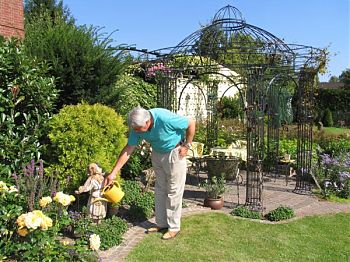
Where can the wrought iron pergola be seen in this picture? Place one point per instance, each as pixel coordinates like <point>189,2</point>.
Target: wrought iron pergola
<point>266,72</point>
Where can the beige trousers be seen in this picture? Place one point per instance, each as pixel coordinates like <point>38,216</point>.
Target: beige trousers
<point>170,171</point>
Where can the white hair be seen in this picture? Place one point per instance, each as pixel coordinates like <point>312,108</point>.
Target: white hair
<point>138,117</point>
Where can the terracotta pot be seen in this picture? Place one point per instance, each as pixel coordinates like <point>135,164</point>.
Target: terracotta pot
<point>214,203</point>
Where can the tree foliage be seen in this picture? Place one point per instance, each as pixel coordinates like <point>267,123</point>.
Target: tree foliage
<point>27,98</point>
<point>82,58</point>
<point>128,92</point>
<point>55,9</point>
<point>345,77</point>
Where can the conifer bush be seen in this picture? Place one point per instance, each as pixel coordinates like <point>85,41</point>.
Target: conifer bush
<point>328,118</point>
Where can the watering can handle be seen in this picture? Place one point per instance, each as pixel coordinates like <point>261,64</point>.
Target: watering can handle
<point>107,187</point>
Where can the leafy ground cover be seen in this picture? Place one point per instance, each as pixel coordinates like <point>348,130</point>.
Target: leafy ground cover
<point>220,237</point>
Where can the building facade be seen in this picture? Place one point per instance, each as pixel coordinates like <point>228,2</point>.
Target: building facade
<point>11,18</point>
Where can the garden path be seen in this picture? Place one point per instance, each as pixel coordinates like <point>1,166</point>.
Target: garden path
<point>276,193</point>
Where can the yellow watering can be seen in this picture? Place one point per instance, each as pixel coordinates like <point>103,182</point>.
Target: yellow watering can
<point>112,193</point>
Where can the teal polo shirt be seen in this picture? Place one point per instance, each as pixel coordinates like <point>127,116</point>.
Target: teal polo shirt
<point>167,131</point>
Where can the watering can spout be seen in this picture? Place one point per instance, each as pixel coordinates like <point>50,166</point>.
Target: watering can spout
<point>100,199</point>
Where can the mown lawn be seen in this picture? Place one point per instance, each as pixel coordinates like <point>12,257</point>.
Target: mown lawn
<point>220,237</point>
<point>336,130</point>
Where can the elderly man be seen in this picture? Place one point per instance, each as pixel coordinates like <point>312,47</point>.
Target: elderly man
<point>170,136</point>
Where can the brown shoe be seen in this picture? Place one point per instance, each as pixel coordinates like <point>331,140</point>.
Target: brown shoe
<point>170,235</point>
<point>156,229</point>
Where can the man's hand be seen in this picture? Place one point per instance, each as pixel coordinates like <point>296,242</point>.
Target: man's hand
<point>108,180</point>
<point>183,151</point>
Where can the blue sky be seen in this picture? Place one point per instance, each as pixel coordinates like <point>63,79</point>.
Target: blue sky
<point>154,24</point>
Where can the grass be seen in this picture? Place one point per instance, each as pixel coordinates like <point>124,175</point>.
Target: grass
<point>331,198</point>
<point>336,130</point>
<point>221,237</point>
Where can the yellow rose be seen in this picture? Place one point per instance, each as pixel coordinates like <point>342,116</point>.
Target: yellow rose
<point>63,199</point>
<point>95,242</point>
<point>72,198</point>
<point>46,223</point>
<point>58,196</point>
<point>20,221</point>
<point>32,220</point>
<point>43,202</point>
<point>13,189</point>
<point>38,213</point>
<point>22,232</point>
<point>3,186</point>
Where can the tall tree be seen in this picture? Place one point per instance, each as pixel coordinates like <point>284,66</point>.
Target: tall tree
<point>82,59</point>
<point>35,8</point>
<point>345,77</point>
<point>333,79</point>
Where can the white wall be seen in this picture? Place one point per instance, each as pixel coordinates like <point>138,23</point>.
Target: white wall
<point>192,99</point>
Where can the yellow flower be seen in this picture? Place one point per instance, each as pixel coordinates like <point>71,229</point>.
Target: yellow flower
<point>95,242</point>
<point>72,198</point>
<point>3,186</point>
<point>13,189</point>
<point>20,221</point>
<point>46,223</point>
<point>43,202</point>
<point>63,199</point>
<point>32,220</point>
<point>22,232</point>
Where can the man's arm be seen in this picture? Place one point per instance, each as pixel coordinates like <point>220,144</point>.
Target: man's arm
<point>190,131</point>
<point>122,159</point>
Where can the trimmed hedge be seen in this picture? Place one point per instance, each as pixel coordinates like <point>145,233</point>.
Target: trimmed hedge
<point>82,134</point>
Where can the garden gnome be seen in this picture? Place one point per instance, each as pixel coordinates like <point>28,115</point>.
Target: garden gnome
<point>96,209</point>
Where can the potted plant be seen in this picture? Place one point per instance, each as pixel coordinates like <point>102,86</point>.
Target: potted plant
<point>214,187</point>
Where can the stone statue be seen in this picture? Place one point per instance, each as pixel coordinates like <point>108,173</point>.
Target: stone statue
<point>97,209</point>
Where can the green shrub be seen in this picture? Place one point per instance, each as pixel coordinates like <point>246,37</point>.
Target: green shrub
<point>230,107</point>
<point>110,231</point>
<point>141,204</point>
<point>328,118</point>
<point>243,211</point>
<point>132,192</point>
<point>27,99</point>
<point>280,213</point>
<point>83,134</point>
<point>336,146</point>
<point>139,160</point>
<point>288,146</point>
<point>11,207</point>
<point>143,207</point>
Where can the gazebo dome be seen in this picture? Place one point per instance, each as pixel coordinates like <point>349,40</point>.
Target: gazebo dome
<point>229,35</point>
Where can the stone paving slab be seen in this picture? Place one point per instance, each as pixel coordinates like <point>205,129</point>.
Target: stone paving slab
<point>275,194</point>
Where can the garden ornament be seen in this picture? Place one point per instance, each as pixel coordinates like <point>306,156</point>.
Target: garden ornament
<point>94,185</point>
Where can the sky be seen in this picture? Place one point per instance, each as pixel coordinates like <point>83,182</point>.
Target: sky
<point>156,24</point>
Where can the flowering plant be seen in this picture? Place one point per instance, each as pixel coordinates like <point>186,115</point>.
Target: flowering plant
<point>215,186</point>
<point>157,69</point>
<point>64,199</point>
<point>95,242</point>
<point>31,221</point>
<point>32,183</point>
<point>335,174</point>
